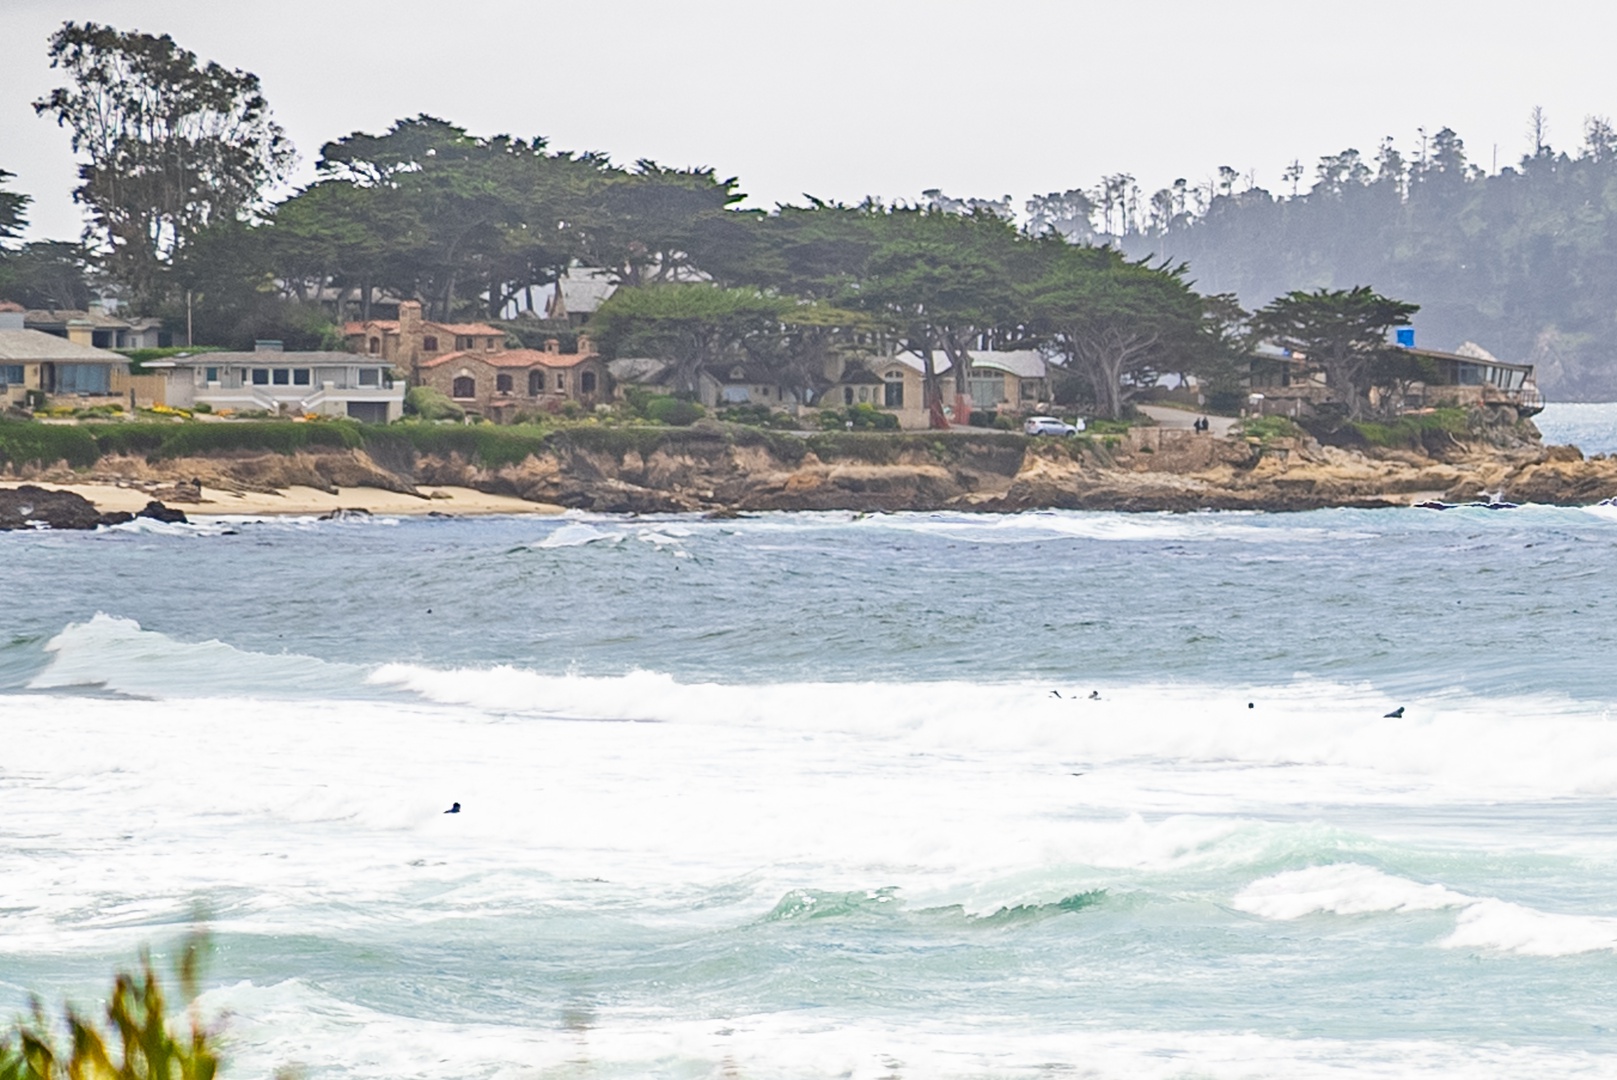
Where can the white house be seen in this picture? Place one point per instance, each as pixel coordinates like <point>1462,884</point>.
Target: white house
<point>270,380</point>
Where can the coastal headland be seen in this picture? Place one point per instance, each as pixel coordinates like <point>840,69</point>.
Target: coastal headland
<point>719,469</point>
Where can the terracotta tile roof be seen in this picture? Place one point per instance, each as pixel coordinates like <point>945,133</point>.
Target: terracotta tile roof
<point>467,329</point>
<point>384,325</point>
<point>510,358</point>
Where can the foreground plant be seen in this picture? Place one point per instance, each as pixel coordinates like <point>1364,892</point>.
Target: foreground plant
<point>134,1042</point>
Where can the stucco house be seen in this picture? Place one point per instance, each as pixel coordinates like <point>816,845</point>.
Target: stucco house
<point>97,328</point>
<point>271,380</point>
<point>35,365</point>
<point>498,384</point>
<point>1016,381</point>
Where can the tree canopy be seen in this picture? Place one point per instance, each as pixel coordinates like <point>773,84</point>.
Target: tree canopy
<point>1344,331</point>
<point>170,146</point>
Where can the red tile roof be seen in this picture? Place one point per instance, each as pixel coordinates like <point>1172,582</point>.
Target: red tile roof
<point>512,358</point>
<point>467,329</point>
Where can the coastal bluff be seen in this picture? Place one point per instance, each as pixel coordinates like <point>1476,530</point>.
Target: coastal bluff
<point>720,468</point>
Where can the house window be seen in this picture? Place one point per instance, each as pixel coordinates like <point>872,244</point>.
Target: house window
<point>429,344</point>
<point>893,394</point>
<point>370,376</point>
<point>847,395</point>
<point>464,387</point>
<point>375,346</point>
<point>864,395</point>
<point>536,383</point>
<point>10,374</point>
<point>1030,390</point>
<point>561,381</point>
<point>463,342</point>
<point>300,376</point>
<point>488,344</point>
<point>985,390</point>
<point>261,376</point>
<point>280,376</point>
<point>586,382</point>
<point>503,383</point>
<point>83,379</point>
<point>210,374</point>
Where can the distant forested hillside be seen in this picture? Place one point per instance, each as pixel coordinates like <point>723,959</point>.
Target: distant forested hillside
<point>1522,261</point>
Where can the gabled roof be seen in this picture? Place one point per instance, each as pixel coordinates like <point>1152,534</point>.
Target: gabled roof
<point>1024,363</point>
<point>580,291</point>
<point>36,345</point>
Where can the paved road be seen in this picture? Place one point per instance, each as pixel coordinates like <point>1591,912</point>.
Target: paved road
<point>1179,418</point>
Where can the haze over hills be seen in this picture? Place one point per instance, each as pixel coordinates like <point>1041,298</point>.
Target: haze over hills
<point>1522,260</point>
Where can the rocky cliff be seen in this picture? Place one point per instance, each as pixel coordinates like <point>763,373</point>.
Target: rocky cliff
<point>716,468</point>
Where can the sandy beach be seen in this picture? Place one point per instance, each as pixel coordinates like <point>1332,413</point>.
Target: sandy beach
<point>111,498</point>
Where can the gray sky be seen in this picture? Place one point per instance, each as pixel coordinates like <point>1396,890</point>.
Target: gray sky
<point>842,98</point>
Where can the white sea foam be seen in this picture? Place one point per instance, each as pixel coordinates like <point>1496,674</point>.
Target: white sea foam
<point>1480,923</point>
<point>1500,926</point>
<point>118,655</point>
<point>1495,747</point>
<point>577,534</point>
<point>292,1023</point>
<point>1341,889</point>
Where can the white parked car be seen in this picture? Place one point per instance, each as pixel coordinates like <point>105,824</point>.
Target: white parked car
<point>1050,425</point>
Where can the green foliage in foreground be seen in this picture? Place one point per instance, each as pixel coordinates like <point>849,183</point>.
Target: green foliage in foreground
<point>134,1041</point>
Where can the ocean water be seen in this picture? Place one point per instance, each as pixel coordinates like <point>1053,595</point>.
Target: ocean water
<point>825,795</point>
<point>1591,426</point>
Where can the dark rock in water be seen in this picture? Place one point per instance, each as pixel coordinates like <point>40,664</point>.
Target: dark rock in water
<point>156,511</point>
<point>355,514</point>
<point>29,507</point>
<point>1432,504</point>
<point>438,514</point>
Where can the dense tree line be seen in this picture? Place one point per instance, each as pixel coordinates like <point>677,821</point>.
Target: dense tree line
<point>1522,260</point>
<point>177,156</point>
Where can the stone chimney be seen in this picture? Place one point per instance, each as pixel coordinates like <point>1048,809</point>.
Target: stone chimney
<point>552,345</point>
<point>408,356</point>
<point>81,331</point>
<point>585,345</point>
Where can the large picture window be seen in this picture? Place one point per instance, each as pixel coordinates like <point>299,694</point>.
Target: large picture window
<point>83,379</point>
<point>464,387</point>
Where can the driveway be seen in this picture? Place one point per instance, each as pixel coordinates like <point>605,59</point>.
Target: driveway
<point>1179,419</point>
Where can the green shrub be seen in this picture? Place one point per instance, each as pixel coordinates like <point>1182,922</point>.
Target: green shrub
<point>24,442</point>
<point>861,417</point>
<point>1413,430</point>
<point>673,411</point>
<point>431,404</point>
<point>1269,427</point>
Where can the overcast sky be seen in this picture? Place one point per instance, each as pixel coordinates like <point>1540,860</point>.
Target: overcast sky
<point>843,98</point>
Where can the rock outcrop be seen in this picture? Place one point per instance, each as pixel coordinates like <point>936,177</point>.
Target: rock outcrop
<point>713,468</point>
<point>32,507</point>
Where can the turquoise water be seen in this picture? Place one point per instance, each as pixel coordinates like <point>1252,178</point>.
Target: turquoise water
<point>816,795</point>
